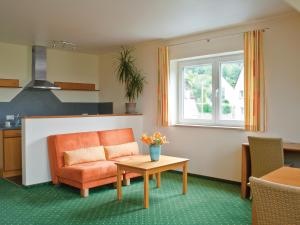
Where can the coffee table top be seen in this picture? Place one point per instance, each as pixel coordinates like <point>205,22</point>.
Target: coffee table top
<point>144,162</point>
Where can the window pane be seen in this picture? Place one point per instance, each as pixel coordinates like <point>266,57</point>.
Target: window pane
<point>232,91</point>
<point>197,101</point>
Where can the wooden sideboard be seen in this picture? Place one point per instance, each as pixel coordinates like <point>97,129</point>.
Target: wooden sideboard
<point>10,153</point>
<point>246,164</point>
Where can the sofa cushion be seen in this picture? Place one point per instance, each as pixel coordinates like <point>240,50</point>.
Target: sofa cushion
<point>116,137</point>
<point>90,171</point>
<point>84,155</point>
<point>127,149</point>
<point>68,142</point>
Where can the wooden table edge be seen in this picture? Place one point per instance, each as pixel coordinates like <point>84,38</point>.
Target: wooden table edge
<point>271,177</point>
<point>143,170</point>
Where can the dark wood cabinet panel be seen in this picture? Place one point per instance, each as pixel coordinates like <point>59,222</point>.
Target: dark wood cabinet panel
<point>12,154</point>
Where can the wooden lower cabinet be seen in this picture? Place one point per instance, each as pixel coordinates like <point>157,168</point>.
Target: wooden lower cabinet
<point>10,155</point>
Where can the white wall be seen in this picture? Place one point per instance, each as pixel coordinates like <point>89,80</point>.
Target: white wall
<point>217,152</point>
<point>111,89</point>
<point>67,66</point>
<point>294,3</point>
<point>15,63</point>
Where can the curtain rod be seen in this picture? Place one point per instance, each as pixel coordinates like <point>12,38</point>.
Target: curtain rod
<point>213,38</point>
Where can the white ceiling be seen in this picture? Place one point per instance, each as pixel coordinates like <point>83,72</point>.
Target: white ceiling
<point>95,25</point>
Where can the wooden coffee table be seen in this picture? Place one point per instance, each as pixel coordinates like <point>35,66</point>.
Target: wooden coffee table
<point>143,165</point>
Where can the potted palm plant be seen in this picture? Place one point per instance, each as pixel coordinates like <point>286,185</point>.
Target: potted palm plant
<point>131,77</point>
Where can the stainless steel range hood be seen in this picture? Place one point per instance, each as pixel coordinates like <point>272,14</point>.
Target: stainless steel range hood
<point>39,70</point>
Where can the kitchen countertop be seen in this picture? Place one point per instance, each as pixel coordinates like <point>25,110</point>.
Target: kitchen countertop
<point>79,116</point>
<point>10,128</point>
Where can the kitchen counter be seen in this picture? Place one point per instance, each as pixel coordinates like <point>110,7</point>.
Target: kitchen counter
<point>10,128</point>
<point>79,116</point>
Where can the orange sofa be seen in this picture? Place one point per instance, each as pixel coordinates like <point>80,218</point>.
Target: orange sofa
<point>89,174</point>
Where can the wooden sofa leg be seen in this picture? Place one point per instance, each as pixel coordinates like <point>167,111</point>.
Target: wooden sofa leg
<point>84,192</point>
<point>126,182</point>
<point>55,180</point>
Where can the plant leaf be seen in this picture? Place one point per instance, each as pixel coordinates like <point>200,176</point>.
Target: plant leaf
<point>129,75</point>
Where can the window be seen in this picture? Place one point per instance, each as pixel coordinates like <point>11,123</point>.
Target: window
<point>211,90</point>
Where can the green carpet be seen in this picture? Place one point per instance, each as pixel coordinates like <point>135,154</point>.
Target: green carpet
<point>207,202</point>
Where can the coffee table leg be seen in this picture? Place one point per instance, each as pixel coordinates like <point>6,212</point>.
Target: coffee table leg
<point>184,178</point>
<point>146,190</point>
<point>158,180</point>
<point>119,183</point>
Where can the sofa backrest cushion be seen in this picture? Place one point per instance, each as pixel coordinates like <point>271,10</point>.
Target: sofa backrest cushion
<point>58,144</point>
<point>84,155</point>
<point>127,149</point>
<point>116,137</point>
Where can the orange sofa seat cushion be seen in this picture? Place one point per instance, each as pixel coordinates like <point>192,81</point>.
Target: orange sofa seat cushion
<point>126,149</point>
<point>90,171</point>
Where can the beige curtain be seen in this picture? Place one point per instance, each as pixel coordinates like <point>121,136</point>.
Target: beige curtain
<point>255,104</point>
<point>163,87</point>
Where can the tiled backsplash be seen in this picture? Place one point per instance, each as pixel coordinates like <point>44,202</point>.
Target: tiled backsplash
<point>32,102</point>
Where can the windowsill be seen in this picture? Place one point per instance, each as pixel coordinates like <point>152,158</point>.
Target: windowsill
<point>209,126</point>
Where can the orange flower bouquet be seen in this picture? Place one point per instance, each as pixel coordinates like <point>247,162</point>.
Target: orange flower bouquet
<point>155,141</point>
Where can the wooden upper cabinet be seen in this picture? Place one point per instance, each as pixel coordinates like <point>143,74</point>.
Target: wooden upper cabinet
<point>9,83</point>
<point>76,86</point>
<point>11,133</point>
<point>12,153</point>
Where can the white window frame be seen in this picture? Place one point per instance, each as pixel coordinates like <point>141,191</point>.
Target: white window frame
<point>216,61</point>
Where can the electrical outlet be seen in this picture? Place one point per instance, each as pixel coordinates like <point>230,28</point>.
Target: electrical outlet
<point>10,117</point>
